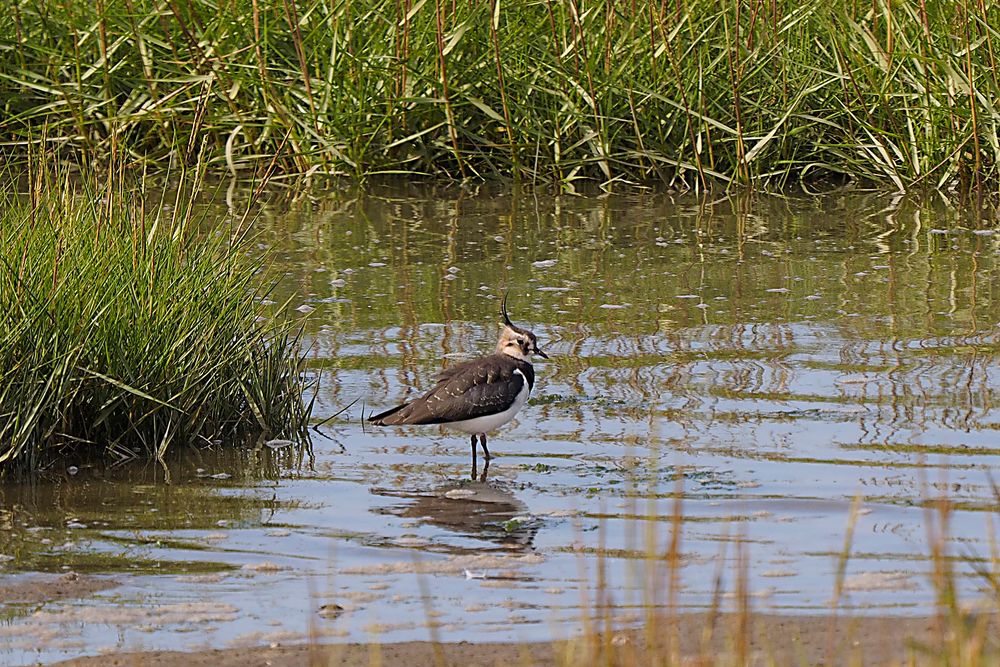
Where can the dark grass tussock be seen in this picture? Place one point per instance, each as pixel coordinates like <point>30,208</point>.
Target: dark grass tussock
<point>124,333</point>
<point>687,92</point>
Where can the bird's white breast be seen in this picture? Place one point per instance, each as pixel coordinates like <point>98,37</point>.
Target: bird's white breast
<point>487,423</point>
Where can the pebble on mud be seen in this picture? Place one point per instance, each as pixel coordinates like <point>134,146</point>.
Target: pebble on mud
<point>330,610</point>
<point>278,443</point>
<point>880,581</point>
<point>265,566</point>
<point>281,532</point>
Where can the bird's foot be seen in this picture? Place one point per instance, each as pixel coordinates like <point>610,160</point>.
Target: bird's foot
<point>475,476</point>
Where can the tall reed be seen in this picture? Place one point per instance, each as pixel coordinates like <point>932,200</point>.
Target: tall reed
<point>125,331</point>
<point>687,92</point>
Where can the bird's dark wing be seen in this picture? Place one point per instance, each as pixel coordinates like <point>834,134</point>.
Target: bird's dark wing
<point>473,389</point>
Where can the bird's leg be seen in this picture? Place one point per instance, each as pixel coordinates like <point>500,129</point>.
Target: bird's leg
<point>486,467</point>
<point>474,457</point>
<point>482,441</point>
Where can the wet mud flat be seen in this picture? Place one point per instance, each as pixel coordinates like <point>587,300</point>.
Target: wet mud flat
<point>710,638</point>
<point>696,639</point>
<point>39,589</point>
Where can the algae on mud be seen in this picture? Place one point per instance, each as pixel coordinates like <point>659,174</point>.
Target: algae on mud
<point>125,331</point>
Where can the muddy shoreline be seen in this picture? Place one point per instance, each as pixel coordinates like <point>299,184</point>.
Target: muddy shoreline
<point>769,639</point>
<point>38,589</point>
<point>755,639</point>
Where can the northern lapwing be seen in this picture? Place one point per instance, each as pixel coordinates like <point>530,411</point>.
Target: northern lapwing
<point>476,396</point>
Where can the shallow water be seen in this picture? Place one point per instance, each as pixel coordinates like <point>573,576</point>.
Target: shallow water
<point>767,359</point>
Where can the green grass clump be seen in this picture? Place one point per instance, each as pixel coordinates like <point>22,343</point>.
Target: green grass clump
<point>123,333</point>
<point>687,92</point>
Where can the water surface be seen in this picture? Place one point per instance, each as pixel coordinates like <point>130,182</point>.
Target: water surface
<point>763,360</point>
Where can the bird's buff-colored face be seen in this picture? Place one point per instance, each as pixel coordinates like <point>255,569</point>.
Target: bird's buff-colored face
<point>515,341</point>
<point>519,344</point>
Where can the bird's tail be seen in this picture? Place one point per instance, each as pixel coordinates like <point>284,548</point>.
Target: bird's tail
<point>386,418</point>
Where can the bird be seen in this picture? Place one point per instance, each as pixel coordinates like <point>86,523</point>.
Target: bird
<point>476,396</point>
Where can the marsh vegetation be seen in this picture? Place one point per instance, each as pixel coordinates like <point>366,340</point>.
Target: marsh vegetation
<point>126,328</point>
<point>688,93</point>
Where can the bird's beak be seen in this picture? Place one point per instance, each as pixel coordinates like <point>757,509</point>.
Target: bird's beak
<point>541,354</point>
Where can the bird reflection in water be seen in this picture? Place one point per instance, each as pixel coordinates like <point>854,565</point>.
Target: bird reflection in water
<point>479,509</point>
